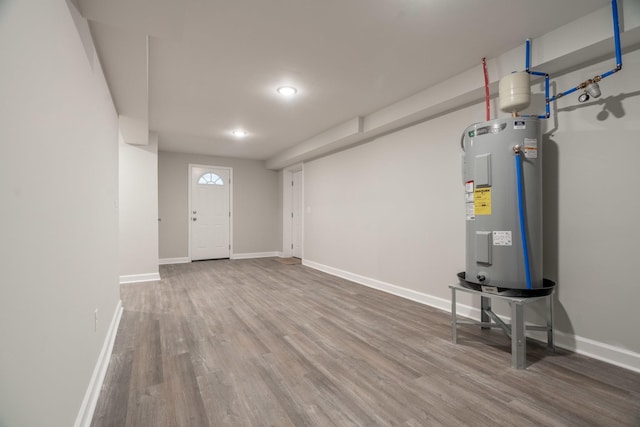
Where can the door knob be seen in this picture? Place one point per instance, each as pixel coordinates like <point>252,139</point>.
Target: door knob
<point>194,219</point>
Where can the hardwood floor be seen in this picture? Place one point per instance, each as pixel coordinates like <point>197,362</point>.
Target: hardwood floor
<point>261,343</point>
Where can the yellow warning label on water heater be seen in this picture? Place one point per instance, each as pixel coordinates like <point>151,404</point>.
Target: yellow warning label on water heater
<point>482,201</point>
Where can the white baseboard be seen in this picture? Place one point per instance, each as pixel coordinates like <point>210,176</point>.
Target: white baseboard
<point>254,255</point>
<point>85,415</point>
<point>134,278</point>
<point>183,260</point>
<point>420,297</point>
<point>597,350</point>
<point>605,352</point>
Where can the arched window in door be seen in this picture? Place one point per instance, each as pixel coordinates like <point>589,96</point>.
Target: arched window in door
<point>210,179</point>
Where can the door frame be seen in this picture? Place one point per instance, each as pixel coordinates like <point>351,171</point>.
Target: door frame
<point>287,208</point>
<point>189,172</point>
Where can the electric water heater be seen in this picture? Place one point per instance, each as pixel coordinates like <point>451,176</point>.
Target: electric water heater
<point>502,176</point>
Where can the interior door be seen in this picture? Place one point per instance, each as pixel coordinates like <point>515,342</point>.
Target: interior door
<point>210,213</point>
<point>296,214</point>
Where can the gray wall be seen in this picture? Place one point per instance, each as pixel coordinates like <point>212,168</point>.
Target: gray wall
<point>591,207</point>
<point>279,212</point>
<point>255,204</point>
<point>138,190</point>
<point>58,216</point>
<point>392,210</point>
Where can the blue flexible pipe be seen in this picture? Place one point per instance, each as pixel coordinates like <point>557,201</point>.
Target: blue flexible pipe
<point>616,33</point>
<point>546,96</point>
<point>618,49</point>
<point>523,232</point>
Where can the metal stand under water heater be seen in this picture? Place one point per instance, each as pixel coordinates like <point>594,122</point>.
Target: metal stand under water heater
<point>502,176</point>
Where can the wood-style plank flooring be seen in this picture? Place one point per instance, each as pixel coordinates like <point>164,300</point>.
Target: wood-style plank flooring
<point>261,343</point>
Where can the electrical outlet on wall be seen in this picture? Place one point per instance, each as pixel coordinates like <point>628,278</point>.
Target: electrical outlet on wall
<point>95,320</point>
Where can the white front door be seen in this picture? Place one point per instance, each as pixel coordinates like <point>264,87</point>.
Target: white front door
<point>296,214</point>
<point>210,213</point>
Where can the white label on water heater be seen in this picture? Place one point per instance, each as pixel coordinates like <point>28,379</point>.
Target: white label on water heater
<point>468,197</point>
<point>531,148</point>
<point>468,187</point>
<point>502,238</point>
<point>471,212</point>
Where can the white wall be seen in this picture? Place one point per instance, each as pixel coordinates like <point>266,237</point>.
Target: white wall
<point>390,209</point>
<point>391,212</point>
<point>58,216</point>
<point>138,170</point>
<point>256,211</point>
<point>591,207</point>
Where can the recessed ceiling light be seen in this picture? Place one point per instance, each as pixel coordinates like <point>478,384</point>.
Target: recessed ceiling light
<point>239,133</point>
<point>287,90</point>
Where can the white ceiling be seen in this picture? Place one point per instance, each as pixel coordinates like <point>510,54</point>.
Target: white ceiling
<point>214,65</point>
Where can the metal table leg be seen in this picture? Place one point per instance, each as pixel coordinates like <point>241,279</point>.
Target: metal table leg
<point>485,304</point>
<point>454,319</point>
<point>518,338</point>
<point>550,342</point>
